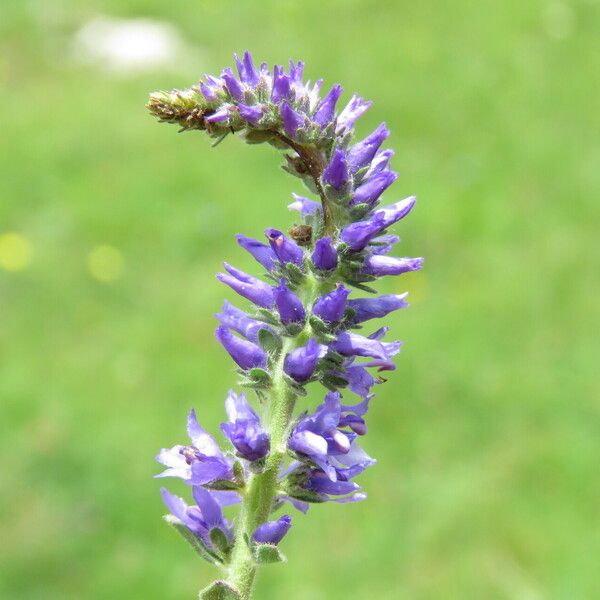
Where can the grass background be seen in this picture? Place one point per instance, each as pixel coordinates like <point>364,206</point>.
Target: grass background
<point>487,435</point>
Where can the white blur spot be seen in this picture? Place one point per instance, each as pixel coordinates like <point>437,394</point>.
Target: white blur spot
<point>128,45</point>
<point>558,20</point>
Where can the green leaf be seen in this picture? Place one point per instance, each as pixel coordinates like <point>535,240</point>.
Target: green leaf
<point>198,545</point>
<point>220,590</point>
<point>269,342</point>
<point>265,554</point>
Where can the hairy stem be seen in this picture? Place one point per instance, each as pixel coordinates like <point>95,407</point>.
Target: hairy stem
<point>261,489</point>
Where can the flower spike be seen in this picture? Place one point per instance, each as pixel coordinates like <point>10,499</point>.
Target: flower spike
<point>300,327</point>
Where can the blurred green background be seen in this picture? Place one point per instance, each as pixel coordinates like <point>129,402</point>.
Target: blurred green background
<point>111,230</point>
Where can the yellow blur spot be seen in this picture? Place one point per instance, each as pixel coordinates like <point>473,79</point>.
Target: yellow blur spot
<point>417,285</point>
<point>15,252</point>
<point>105,263</point>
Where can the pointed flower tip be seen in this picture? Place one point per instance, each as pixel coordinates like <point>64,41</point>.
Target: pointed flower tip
<point>272,532</point>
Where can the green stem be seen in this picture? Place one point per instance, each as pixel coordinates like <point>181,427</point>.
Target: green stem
<point>262,487</point>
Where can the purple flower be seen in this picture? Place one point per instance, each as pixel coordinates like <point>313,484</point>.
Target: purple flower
<point>249,287</point>
<point>384,244</point>
<point>372,188</point>
<point>330,307</point>
<point>289,305</point>
<point>372,308</point>
<point>244,429</point>
<point>363,152</point>
<point>352,111</point>
<point>305,206</point>
<point>246,69</point>
<point>261,252</point>
<point>292,120</point>
<point>326,109</point>
<point>297,296</point>
<point>236,319</point>
<point>220,115</point>
<point>390,265</point>
<point>336,172</point>
<point>252,114</point>
<point>353,416</point>
<point>200,519</point>
<point>360,381</point>
<point>353,344</point>
<point>234,87</point>
<point>246,354</point>
<point>281,85</point>
<point>319,482</point>
<point>301,363</point>
<point>394,212</point>
<point>272,532</point>
<point>322,438</point>
<point>358,235</point>
<point>209,92</point>
<point>285,249</point>
<point>200,463</point>
<point>296,71</point>
<point>379,163</point>
<point>324,256</point>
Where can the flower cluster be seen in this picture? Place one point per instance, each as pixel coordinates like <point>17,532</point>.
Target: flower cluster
<point>304,318</point>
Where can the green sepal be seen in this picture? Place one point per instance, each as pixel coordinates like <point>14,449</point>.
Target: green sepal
<point>269,342</point>
<point>259,376</point>
<point>306,496</point>
<point>325,338</point>
<point>333,382</point>
<point>223,485</point>
<point>265,554</point>
<point>257,136</point>
<point>293,273</point>
<point>238,473</point>
<point>360,174</point>
<point>257,466</point>
<point>219,540</point>
<point>349,314</point>
<point>293,329</point>
<point>220,590</point>
<point>296,387</point>
<point>359,211</point>
<point>335,357</point>
<point>363,287</point>
<point>342,248</point>
<point>197,544</point>
<point>264,314</point>
<point>318,325</point>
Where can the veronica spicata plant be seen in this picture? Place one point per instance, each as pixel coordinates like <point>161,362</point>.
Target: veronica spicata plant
<point>304,320</point>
